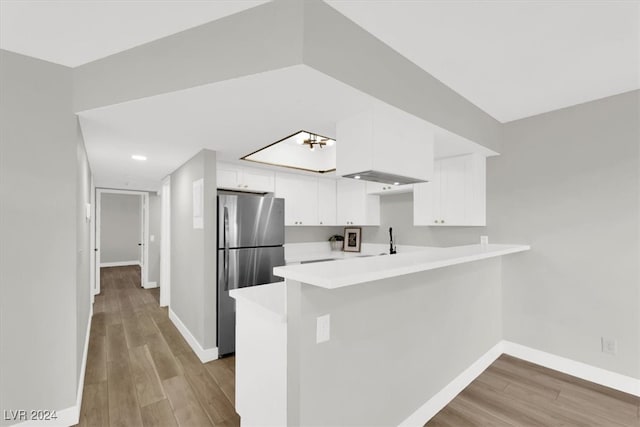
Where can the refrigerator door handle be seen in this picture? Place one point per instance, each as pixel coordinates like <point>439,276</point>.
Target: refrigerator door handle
<point>226,248</point>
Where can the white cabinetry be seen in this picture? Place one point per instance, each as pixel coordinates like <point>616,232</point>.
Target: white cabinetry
<point>327,201</point>
<point>242,178</point>
<point>382,189</point>
<point>354,205</point>
<point>455,196</point>
<point>300,194</point>
<point>387,140</point>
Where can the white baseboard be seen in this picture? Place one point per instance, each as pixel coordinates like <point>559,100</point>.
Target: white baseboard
<point>69,416</point>
<point>150,285</point>
<point>205,355</point>
<point>451,390</point>
<point>596,375</point>
<point>557,363</point>
<point>119,264</point>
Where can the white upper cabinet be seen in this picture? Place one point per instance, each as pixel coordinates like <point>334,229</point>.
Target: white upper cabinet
<point>455,196</point>
<point>388,142</point>
<point>354,205</point>
<point>327,202</point>
<point>300,194</point>
<point>242,178</point>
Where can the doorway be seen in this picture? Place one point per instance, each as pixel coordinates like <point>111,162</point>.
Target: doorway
<point>122,232</point>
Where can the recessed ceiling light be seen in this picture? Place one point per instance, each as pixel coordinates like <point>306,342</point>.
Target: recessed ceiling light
<point>357,177</point>
<point>139,157</point>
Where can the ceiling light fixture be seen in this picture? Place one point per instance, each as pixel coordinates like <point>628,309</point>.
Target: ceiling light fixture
<point>139,158</point>
<point>313,140</point>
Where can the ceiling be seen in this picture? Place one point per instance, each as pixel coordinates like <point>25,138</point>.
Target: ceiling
<point>234,117</point>
<point>73,33</point>
<point>513,59</point>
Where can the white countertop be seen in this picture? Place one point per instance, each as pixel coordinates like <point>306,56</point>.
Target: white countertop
<point>352,271</point>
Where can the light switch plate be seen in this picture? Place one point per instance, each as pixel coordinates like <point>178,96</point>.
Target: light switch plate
<point>323,328</point>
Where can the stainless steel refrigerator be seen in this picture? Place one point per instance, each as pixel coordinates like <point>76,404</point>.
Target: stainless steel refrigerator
<point>250,244</point>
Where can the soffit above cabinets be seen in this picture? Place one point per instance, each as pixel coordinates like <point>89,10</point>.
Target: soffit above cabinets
<point>233,118</point>
<point>73,33</point>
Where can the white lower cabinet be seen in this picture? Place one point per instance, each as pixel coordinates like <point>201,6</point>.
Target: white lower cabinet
<point>300,194</point>
<point>456,196</point>
<point>354,205</point>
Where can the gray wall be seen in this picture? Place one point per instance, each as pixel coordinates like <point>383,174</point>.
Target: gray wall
<point>394,343</point>
<point>120,227</point>
<point>43,249</point>
<point>193,251</point>
<point>568,184</point>
<point>310,234</point>
<point>83,247</point>
<point>155,212</point>
<point>396,210</point>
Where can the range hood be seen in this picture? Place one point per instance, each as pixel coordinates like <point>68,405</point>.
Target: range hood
<point>385,145</point>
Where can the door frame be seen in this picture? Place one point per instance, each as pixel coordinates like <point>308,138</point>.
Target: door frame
<point>144,231</point>
<point>165,244</point>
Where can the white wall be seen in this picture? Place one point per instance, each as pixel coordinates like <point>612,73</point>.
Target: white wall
<point>43,249</point>
<point>120,227</point>
<point>568,183</point>
<point>193,251</point>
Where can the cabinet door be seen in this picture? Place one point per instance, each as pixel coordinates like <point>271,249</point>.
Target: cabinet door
<point>300,194</point>
<point>327,201</point>
<point>258,180</point>
<point>453,191</point>
<point>228,176</point>
<point>351,200</point>
<point>426,200</point>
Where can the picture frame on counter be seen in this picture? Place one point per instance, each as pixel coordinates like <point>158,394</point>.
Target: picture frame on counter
<point>352,239</point>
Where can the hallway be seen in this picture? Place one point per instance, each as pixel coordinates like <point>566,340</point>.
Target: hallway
<point>140,371</point>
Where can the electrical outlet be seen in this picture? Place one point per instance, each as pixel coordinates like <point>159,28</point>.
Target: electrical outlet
<point>323,328</point>
<point>484,240</point>
<point>609,345</point>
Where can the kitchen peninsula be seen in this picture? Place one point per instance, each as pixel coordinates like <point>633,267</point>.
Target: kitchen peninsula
<point>368,340</point>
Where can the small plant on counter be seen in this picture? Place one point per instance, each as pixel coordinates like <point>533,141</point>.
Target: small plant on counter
<point>336,242</point>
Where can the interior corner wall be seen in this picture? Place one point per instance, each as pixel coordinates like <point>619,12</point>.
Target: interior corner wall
<point>155,230</point>
<point>568,184</point>
<point>193,251</point>
<point>83,246</point>
<point>38,224</point>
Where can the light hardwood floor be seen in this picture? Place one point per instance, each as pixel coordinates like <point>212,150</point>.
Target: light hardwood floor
<point>141,372</point>
<point>512,392</point>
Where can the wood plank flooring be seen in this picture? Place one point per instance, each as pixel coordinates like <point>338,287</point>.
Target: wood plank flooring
<point>512,392</point>
<point>141,372</point>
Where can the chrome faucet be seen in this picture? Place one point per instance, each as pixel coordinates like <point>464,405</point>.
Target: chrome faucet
<point>392,246</point>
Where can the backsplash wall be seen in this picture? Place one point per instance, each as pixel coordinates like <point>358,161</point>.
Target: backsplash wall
<point>396,210</point>
<point>310,234</point>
